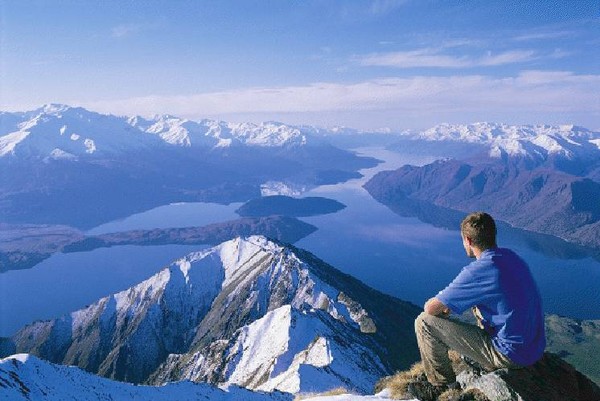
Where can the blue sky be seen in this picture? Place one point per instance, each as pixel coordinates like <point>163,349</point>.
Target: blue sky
<point>402,64</point>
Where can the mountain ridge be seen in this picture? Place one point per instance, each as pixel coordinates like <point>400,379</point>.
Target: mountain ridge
<point>191,321</point>
<point>534,141</point>
<point>76,133</point>
<point>539,200</point>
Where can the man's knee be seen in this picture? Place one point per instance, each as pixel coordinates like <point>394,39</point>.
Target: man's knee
<point>422,321</point>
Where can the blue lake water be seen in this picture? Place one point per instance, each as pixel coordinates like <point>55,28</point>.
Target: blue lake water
<point>412,260</point>
<point>173,215</point>
<point>401,256</point>
<point>68,282</point>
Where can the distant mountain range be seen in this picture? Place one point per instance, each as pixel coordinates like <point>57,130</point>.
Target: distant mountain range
<point>540,178</point>
<point>68,165</point>
<point>537,142</point>
<point>63,132</point>
<point>249,312</point>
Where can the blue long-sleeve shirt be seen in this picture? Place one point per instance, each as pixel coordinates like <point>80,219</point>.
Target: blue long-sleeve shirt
<point>500,284</point>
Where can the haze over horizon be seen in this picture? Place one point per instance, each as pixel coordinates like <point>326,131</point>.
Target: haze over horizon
<point>401,64</point>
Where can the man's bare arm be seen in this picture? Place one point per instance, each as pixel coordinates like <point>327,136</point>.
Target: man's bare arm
<point>436,308</point>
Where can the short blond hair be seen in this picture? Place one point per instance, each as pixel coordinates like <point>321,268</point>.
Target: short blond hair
<point>480,228</point>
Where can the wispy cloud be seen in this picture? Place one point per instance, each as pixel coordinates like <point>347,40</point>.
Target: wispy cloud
<point>410,59</point>
<point>543,36</point>
<point>508,57</point>
<point>524,95</point>
<point>429,57</point>
<point>129,29</point>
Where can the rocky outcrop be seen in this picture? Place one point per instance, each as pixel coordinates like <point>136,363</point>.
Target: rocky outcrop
<point>551,379</point>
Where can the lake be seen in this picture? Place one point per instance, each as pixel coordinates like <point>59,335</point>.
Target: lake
<point>401,256</point>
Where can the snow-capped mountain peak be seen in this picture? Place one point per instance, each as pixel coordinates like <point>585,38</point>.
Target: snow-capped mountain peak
<point>248,312</point>
<point>536,141</point>
<point>79,132</point>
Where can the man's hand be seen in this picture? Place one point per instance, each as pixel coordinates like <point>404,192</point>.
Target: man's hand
<point>436,308</point>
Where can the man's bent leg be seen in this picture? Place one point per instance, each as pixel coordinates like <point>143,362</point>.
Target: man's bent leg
<point>434,353</point>
<point>436,335</point>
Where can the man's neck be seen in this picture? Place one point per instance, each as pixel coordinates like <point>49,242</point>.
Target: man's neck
<point>477,251</point>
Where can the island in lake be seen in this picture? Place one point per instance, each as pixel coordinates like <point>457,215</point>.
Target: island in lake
<point>288,206</point>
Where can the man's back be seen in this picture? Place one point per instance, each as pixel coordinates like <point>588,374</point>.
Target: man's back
<point>500,284</point>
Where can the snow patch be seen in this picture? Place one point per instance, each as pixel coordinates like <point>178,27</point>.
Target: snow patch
<point>10,141</point>
<point>59,154</point>
<point>271,188</point>
<point>184,266</point>
<point>90,146</point>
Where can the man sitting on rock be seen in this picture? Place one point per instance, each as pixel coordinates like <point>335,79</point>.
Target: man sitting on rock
<point>500,288</point>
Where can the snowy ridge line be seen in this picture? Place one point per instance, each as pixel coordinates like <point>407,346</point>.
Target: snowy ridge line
<point>568,141</point>
<point>60,131</point>
<point>249,312</point>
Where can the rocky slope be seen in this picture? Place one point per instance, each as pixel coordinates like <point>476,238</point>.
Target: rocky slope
<point>249,312</point>
<point>577,342</point>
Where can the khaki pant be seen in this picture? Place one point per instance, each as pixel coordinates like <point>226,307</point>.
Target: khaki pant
<point>436,335</point>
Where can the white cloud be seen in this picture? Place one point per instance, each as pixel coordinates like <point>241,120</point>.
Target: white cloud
<point>429,57</point>
<point>509,57</point>
<point>526,96</point>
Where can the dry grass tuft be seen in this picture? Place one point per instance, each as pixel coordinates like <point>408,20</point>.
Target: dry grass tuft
<point>398,383</point>
<point>332,392</point>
